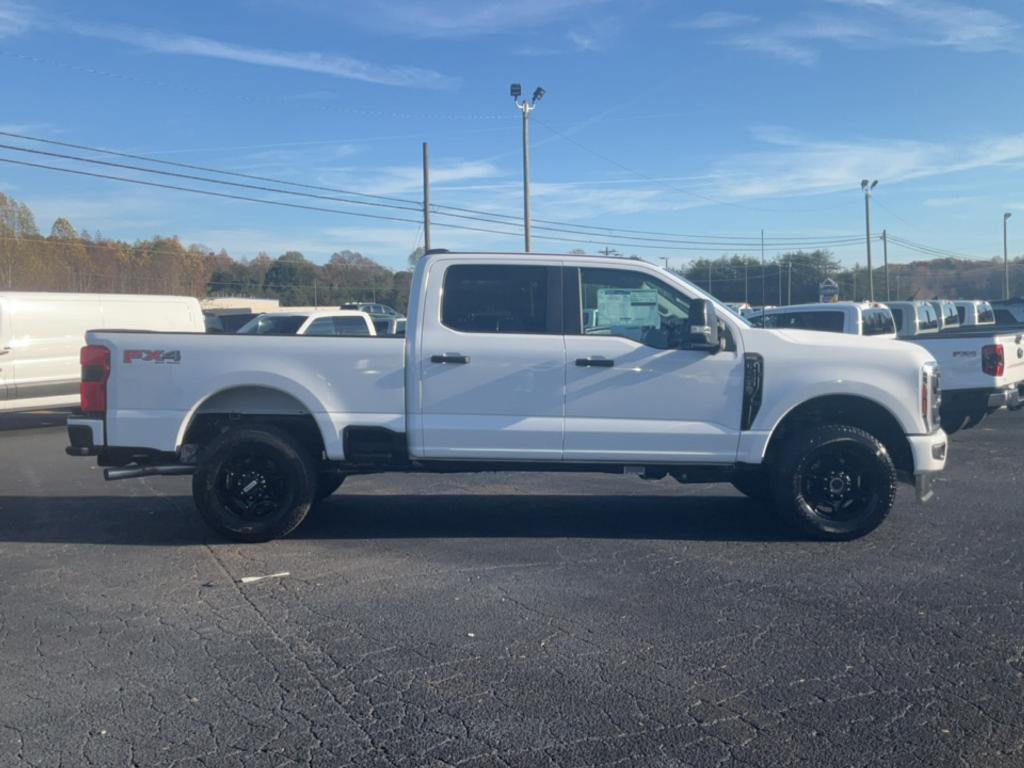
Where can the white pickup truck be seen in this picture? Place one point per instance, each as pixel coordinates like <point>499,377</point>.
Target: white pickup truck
<point>521,362</point>
<point>982,365</point>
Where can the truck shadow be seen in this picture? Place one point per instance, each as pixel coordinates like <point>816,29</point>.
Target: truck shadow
<point>173,521</point>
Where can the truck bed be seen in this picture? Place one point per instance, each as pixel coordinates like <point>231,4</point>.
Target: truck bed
<point>159,381</point>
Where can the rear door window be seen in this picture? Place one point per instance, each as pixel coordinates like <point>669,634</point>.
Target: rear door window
<point>274,325</point>
<point>830,321</point>
<point>927,320</point>
<point>502,298</point>
<point>985,313</point>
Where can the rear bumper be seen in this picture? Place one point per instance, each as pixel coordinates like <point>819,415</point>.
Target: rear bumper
<point>929,453</point>
<point>86,436</point>
<point>973,400</point>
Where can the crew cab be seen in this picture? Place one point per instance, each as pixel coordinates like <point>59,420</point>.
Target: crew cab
<point>338,322</point>
<point>858,318</point>
<point>521,362</point>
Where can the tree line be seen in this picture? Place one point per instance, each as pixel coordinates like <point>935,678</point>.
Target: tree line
<point>69,260</point>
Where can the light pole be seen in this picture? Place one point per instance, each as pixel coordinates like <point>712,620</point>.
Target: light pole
<point>526,107</point>
<point>867,187</point>
<point>1006,259</point>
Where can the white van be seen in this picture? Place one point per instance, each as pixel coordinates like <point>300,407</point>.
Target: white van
<point>41,335</point>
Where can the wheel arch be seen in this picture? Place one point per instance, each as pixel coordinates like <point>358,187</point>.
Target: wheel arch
<point>853,410</point>
<point>251,404</point>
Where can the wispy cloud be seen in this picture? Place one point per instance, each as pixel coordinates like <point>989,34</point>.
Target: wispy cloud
<point>964,27</point>
<point>315,62</point>
<point>594,35</point>
<point>814,167</point>
<point>718,20</point>
<point>464,18</point>
<point>393,180</point>
<point>15,18</point>
<point>950,202</point>
<point>867,23</point>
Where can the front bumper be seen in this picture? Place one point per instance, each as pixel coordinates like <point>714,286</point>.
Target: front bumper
<point>86,436</point>
<point>929,453</point>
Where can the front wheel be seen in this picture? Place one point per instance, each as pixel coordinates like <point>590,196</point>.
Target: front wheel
<point>834,482</point>
<point>254,484</point>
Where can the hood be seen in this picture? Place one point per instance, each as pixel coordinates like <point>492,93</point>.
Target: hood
<point>826,344</point>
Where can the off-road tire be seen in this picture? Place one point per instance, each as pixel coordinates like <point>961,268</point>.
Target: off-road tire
<point>254,483</point>
<point>834,482</point>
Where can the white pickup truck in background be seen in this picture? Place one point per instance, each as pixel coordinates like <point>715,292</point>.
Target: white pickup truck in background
<point>855,317</point>
<point>330,322</point>
<point>521,362</point>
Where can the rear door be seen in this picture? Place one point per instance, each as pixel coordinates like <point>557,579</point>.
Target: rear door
<point>491,362</point>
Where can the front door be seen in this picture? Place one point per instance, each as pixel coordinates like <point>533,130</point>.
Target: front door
<point>631,394</point>
<point>491,363</point>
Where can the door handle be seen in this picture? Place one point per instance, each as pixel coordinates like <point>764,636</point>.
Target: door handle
<point>450,358</point>
<point>594,362</point>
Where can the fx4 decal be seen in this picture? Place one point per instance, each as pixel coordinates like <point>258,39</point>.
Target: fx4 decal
<point>151,356</point>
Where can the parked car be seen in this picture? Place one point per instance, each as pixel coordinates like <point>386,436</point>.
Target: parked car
<point>226,321</point>
<point>394,326</point>
<point>914,318</point>
<point>523,362</point>
<point>858,318</point>
<point>41,335</point>
<point>975,313</point>
<point>334,322</point>
<point>372,308</point>
<point>947,313</point>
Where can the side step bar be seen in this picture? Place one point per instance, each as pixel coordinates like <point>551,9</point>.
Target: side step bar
<point>124,473</point>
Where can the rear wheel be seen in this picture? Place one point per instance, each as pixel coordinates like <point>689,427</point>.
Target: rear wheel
<point>834,482</point>
<point>254,484</point>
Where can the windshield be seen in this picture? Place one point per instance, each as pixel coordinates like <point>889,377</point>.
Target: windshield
<point>273,325</point>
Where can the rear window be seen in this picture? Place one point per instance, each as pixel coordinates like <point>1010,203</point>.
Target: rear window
<point>829,321</point>
<point>985,313</point>
<point>338,326</point>
<point>498,298</point>
<point>274,325</point>
<point>926,317</point>
<point>877,322</point>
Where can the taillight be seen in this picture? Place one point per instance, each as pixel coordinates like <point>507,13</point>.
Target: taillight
<point>992,360</point>
<point>95,373</point>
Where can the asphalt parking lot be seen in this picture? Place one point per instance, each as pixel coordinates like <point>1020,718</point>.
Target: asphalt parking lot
<point>507,620</point>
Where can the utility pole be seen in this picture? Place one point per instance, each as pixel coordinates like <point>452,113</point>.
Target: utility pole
<point>1006,259</point>
<point>885,257</point>
<point>898,294</point>
<point>316,299</point>
<point>426,197</point>
<point>746,274</point>
<point>780,282</point>
<point>709,275</point>
<point>764,273</point>
<point>789,283</point>
<point>867,187</point>
<point>665,259</point>
<point>853,296</point>
<point>526,107</point>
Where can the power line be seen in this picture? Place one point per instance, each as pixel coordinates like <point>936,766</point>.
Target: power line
<point>739,241</point>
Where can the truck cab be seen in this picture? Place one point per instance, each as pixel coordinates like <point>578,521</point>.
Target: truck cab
<point>914,318</point>
<point>975,313</point>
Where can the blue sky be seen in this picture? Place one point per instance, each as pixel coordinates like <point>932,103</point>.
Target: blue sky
<point>701,118</point>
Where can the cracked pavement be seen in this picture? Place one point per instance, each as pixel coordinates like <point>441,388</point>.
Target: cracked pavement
<point>507,620</point>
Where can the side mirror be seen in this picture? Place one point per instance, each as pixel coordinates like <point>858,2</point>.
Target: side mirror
<point>702,333</point>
